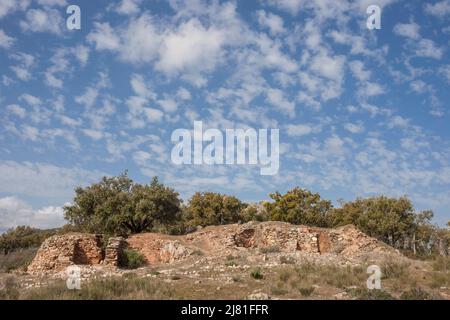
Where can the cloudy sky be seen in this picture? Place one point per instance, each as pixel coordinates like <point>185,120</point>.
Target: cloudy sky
<point>360,112</point>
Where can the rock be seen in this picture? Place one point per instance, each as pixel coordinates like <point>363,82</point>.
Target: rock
<point>258,296</point>
<point>114,251</point>
<point>60,251</point>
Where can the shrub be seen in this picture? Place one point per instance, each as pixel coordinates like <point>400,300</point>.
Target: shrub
<point>391,269</point>
<point>286,260</point>
<point>256,274</point>
<point>9,288</point>
<point>277,291</point>
<point>23,237</point>
<point>19,259</point>
<point>132,259</point>
<point>285,275</point>
<point>299,206</point>
<point>209,208</point>
<point>272,249</point>
<point>306,291</point>
<point>416,294</point>
<point>366,294</point>
<point>441,264</point>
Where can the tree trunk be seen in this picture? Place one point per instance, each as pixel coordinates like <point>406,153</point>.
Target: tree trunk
<point>414,243</point>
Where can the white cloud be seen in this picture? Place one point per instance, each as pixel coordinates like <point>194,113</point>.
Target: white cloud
<point>15,212</point>
<point>445,71</point>
<point>438,9</point>
<point>128,7</point>
<point>43,180</point>
<point>408,30</point>
<point>354,127</point>
<point>38,20</point>
<point>192,47</point>
<point>51,3</point>
<point>93,134</point>
<point>398,121</point>
<point>271,21</point>
<point>298,130</point>
<point>140,87</point>
<point>334,145</point>
<point>88,98</point>
<point>168,105</point>
<point>16,110</point>
<point>25,63</point>
<point>427,48</point>
<point>358,70</point>
<point>184,94</point>
<point>276,98</point>
<point>30,99</point>
<point>329,67</point>
<point>10,6</point>
<point>5,41</point>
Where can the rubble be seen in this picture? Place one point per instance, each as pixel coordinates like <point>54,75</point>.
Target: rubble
<point>261,242</point>
<point>60,251</point>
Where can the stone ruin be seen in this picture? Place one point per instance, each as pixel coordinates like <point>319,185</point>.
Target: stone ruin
<point>60,251</point>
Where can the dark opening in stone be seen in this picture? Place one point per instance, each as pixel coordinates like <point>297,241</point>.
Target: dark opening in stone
<point>245,239</point>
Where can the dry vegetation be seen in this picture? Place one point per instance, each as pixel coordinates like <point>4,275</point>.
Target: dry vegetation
<point>308,280</point>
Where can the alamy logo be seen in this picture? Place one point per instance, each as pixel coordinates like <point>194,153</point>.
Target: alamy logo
<point>73,278</point>
<point>231,150</point>
<point>374,280</point>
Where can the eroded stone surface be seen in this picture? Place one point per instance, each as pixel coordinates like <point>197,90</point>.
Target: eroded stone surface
<point>250,239</point>
<point>60,251</point>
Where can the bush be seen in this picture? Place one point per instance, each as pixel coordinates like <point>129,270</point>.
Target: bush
<point>19,259</point>
<point>9,288</point>
<point>256,274</point>
<point>209,208</point>
<point>391,269</point>
<point>299,206</point>
<point>416,294</point>
<point>441,264</point>
<point>366,294</point>
<point>306,291</point>
<point>23,237</point>
<point>132,259</point>
<point>272,249</point>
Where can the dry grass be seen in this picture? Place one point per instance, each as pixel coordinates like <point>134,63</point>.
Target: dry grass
<point>17,260</point>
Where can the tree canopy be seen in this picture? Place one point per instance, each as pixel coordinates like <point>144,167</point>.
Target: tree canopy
<point>118,205</point>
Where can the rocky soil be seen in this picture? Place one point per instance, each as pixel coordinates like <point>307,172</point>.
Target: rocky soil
<point>252,260</point>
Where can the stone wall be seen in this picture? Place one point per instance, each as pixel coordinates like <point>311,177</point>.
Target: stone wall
<point>60,251</point>
<point>114,251</point>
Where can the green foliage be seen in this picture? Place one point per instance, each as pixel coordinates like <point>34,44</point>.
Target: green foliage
<point>132,259</point>
<point>17,260</point>
<point>23,237</point>
<point>388,219</point>
<point>299,206</point>
<point>306,291</point>
<point>209,208</point>
<point>271,249</point>
<point>117,205</point>
<point>253,212</point>
<point>256,274</point>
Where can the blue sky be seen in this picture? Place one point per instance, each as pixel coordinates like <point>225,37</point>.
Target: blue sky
<point>360,112</point>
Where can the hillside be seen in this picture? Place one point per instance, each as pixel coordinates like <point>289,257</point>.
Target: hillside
<point>267,260</point>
